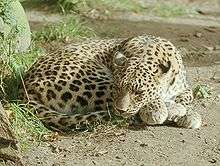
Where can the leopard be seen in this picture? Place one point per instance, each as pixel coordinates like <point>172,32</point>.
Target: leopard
<point>141,79</point>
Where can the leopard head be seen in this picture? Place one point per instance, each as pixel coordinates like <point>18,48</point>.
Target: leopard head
<point>131,77</point>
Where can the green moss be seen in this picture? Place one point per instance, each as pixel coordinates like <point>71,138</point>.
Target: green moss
<point>13,21</point>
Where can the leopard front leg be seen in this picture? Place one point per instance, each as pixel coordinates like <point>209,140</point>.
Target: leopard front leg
<point>185,98</point>
<point>154,112</point>
<point>191,119</point>
<point>178,108</point>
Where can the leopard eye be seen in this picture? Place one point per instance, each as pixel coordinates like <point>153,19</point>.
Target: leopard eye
<point>120,59</point>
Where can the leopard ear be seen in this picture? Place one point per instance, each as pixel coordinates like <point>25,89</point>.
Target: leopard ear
<point>119,59</point>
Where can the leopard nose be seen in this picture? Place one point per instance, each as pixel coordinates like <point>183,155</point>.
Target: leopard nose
<point>122,103</point>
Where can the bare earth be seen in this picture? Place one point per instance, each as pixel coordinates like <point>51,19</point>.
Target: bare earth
<point>151,146</point>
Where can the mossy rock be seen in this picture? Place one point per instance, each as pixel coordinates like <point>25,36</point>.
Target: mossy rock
<point>12,16</point>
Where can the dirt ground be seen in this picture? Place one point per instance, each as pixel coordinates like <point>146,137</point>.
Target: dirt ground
<point>151,146</point>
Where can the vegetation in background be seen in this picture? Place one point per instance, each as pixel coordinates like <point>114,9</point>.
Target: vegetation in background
<point>163,9</point>
<point>159,8</point>
<point>63,31</point>
<point>170,10</point>
<point>108,7</point>
<point>81,6</point>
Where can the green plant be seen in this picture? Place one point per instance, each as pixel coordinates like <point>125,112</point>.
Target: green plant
<point>27,127</point>
<point>65,30</point>
<point>13,65</point>
<point>201,91</point>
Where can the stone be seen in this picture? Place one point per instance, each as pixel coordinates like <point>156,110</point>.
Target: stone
<point>17,14</point>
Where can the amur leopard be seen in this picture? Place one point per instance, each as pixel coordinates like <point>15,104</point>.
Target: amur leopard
<point>140,78</point>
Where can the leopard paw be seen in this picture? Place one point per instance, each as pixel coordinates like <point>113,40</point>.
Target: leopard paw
<point>191,120</point>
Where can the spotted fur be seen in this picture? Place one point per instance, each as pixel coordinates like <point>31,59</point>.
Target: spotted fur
<point>90,81</point>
